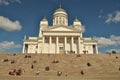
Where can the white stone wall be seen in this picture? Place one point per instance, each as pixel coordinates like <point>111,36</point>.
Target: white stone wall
<point>32,48</point>
<point>45,49</point>
<point>52,48</point>
<point>89,48</point>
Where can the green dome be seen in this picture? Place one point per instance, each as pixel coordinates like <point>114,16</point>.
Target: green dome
<point>60,9</point>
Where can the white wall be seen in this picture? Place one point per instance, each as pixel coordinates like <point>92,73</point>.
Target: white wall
<point>45,48</point>
<point>32,48</point>
<point>52,48</point>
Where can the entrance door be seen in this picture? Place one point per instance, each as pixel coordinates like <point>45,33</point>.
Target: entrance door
<point>61,50</point>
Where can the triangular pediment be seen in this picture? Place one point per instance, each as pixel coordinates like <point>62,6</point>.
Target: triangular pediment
<point>60,28</point>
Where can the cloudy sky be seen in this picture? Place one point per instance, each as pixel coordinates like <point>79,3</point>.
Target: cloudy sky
<point>101,19</point>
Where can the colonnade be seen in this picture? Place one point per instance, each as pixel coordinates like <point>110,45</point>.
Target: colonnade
<point>57,38</point>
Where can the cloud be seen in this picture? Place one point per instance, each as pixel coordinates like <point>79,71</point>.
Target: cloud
<point>113,17</point>
<point>105,42</point>
<point>6,45</point>
<point>7,2</point>
<point>9,25</point>
<point>99,16</point>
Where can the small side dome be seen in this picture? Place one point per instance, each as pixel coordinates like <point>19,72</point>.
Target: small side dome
<point>77,22</point>
<point>44,19</point>
<point>44,22</point>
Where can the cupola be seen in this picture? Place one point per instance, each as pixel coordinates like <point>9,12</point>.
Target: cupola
<point>44,22</point>
<point>77,22</point>
<point>43,25</point>
<point>60,17</point>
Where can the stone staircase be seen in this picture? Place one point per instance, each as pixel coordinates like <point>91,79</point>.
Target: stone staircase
<point>102,65</point>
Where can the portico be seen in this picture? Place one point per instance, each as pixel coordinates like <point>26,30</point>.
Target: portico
<point>63,44</point>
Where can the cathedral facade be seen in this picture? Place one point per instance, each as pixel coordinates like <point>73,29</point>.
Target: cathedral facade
<point>60,38</point>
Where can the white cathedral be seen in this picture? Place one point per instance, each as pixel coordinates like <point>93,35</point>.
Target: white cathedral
<point>60,38</point>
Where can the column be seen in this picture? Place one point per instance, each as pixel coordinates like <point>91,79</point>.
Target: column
<point>50,41</point>
<point>96,49</point>
<point>57,47</point>
<point>65,43</point>
<point>72,42</point>
<point>78,45</point>
<point>23,48</point>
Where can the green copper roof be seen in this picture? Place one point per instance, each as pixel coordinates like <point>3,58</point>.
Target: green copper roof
<point>60,9</point>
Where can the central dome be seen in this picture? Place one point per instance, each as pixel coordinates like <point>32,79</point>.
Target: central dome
<point>60,17</point>
<point>60,10</point>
